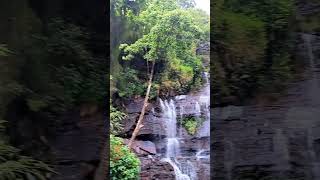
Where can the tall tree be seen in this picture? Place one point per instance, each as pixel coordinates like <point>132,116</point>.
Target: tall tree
<point>169,41</point>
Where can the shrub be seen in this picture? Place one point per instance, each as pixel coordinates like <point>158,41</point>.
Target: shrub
<point>123,163</point>
<point>116,117</point>
<point>191,124</point>
<point>129,85</point>
<point>15,166</point>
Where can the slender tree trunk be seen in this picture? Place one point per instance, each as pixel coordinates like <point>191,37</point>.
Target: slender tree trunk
<point>145,103</point>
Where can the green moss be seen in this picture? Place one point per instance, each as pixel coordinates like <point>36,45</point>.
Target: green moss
<point>191,124</point>
<point>310,23</point>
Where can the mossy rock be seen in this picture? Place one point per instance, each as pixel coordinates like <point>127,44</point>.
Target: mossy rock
<point>191,124</point>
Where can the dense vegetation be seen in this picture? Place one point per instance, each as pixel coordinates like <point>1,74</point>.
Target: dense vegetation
<point>178,68</point>
<point>252,44</point>
<point>49,67</point>
<point>123,163</point>
<point>13,165</point>
<point>309,23</point>
<point>191,124</point>
<point>153,54</point>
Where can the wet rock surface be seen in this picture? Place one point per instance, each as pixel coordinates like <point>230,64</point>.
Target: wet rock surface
<point>143,148</point>
<point>308,7</point>
<point>76,147</point>
<point>153,168</point>
<point>151,144</point>
<point>278,139</point>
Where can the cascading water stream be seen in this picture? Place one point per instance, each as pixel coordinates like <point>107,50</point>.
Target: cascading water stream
<point>181,117</point>
<point>313,94</point>
<point>314,84</point>
<point>173,144</point>
<point>185,162</point>
<point>204,101</point>
<point>197,109</point>
<point>202,154</point>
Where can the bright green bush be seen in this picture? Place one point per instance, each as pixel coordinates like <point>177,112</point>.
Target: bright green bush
<point>116,117</point>
<point>191,127</point>
<point>191,124</point>
<point>124,164</point>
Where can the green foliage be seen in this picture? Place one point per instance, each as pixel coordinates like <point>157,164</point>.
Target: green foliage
<point>9,86</point>
<point>202,19</point>
<point>116,118</point>
<point>123,163</point>
<point>124,28</point>
<point>309,23</point>
<point>171,40</point>
<point>60,71</point>
<point>154,11</point>
<point>241,54</point>
<point>274,12</point>
<point>125,7</point>
<point>165,31</point>
<point>129,85</point>
<point>252,44</point>
<point>15,166</point>
<point>4,51</point>
<point>2,126</point>
<point>191,124</point>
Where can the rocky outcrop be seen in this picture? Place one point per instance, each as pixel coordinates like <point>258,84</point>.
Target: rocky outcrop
<point>204,48</point>
<point>275,139</point>
<point>143,148</point>
<point>151,144</point>
<point>152,123</point>
<point>307,7</point>
<point>76,146</point>
<point>154,169</point>
<point>71,144</point>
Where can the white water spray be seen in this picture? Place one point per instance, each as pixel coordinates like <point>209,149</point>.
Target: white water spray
<point>173,144</point>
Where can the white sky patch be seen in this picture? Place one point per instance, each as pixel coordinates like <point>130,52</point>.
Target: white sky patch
<point>204,5</point>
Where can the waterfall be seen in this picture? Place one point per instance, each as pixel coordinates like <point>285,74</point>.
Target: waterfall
<point>179,175</point>
<point>173,145</point>
<point>202,154</point>
<point>204,100</point>
<point>197,109</point>
<point>314,84</point>
<point>314,97</point>
<point>308,39</point>
<point>186,164</point>
<point>181,118</point>
<point>170,116</point>
<point>205,75</point>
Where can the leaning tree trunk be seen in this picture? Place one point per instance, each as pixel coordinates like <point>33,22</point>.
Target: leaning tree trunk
<point>145,103</point>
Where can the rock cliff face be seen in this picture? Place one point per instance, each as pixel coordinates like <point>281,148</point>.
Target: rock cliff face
<point>71,145</point>
<point>162,125</point>
<point>155,169</point>
<point>151,144</point>
<point>276,139</point>
<point>307,7</point>
<point>76,146</point>
<point>71,142</point>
